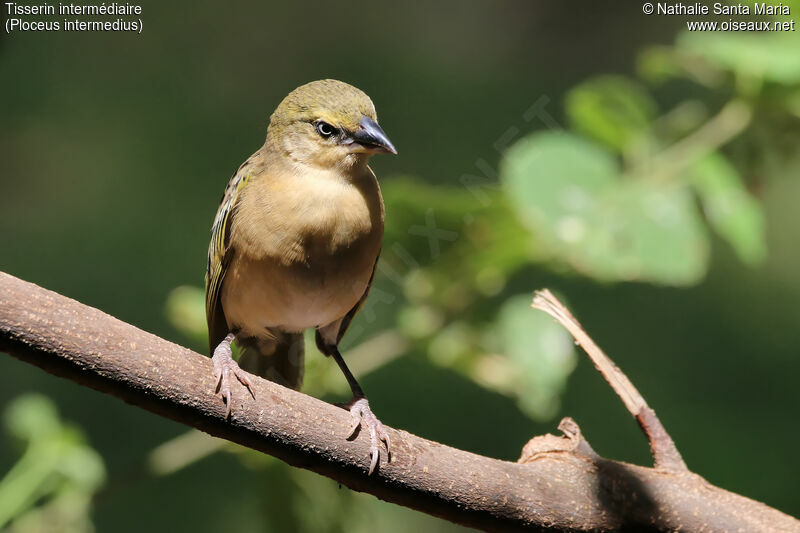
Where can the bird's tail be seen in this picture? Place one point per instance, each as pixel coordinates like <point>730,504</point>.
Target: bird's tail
<point>279,358</point>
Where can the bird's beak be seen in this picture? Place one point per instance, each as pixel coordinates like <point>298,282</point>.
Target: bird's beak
<point>369,138</point>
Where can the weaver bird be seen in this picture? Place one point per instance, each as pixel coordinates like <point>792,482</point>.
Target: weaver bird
<point>295,243</point>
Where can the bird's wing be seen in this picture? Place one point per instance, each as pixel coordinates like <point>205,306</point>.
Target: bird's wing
<point>220,254</point>
<point>352,312</point>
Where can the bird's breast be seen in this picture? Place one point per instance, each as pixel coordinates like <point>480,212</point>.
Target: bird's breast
<point>304,252</point>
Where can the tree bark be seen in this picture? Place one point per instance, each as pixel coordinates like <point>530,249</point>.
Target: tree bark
<point>559,484</point>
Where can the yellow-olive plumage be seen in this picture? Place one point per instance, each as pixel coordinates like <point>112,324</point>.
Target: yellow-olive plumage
<point>297,235</point>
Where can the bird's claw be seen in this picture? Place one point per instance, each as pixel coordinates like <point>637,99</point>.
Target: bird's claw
<point>363,416</point>
<point>224,365</point>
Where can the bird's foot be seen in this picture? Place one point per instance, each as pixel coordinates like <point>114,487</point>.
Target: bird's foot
<point>224,366</point>
<point>363,416</point>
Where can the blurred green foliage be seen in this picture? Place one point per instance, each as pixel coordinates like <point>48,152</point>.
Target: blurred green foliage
<point>618,204</point>
<point>614,110</point>
<point>50,488</point>
<point>659,201</point>
<point>729,208</point>
<point>599,223</point>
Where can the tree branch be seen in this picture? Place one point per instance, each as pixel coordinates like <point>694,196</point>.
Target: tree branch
<point>560,484</point>
<point>664,452</point>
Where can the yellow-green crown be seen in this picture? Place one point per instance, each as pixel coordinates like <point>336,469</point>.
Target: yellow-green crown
<point>335,102</point>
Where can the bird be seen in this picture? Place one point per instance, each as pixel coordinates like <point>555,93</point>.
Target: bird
<point>295,244</point>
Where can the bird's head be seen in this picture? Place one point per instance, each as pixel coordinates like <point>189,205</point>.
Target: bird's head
<point>327,123</point>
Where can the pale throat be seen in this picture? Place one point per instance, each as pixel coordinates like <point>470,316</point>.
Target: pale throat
<point>349,168</point>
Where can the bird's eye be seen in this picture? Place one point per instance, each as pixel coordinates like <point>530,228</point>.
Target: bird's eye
<point>325,129</point>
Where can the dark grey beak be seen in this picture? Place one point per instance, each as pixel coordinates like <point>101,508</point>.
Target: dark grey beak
<point>371,138</point>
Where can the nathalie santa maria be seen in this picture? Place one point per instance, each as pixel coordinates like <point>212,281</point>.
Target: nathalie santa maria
<point>718,8</point>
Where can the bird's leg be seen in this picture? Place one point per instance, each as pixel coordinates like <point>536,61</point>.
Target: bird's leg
<point>362,414</point>
<point>224,365</point>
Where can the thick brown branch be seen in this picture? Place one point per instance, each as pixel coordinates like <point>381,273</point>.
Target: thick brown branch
<point>559,485</point>
<point>665,453</point>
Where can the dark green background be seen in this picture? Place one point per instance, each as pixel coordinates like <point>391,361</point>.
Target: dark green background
<point>115,149</point>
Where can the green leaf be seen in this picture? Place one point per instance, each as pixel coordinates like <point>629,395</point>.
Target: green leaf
<point>570,193</point>
<point>31,417</point>
<point>611,109</point>
<point>729,208</point>
<point>483,243</point>
<point>541,354</point>
<point>186,311</point>
<point>657,64</point>
<point>50,487</point>
<point>769,56</point>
